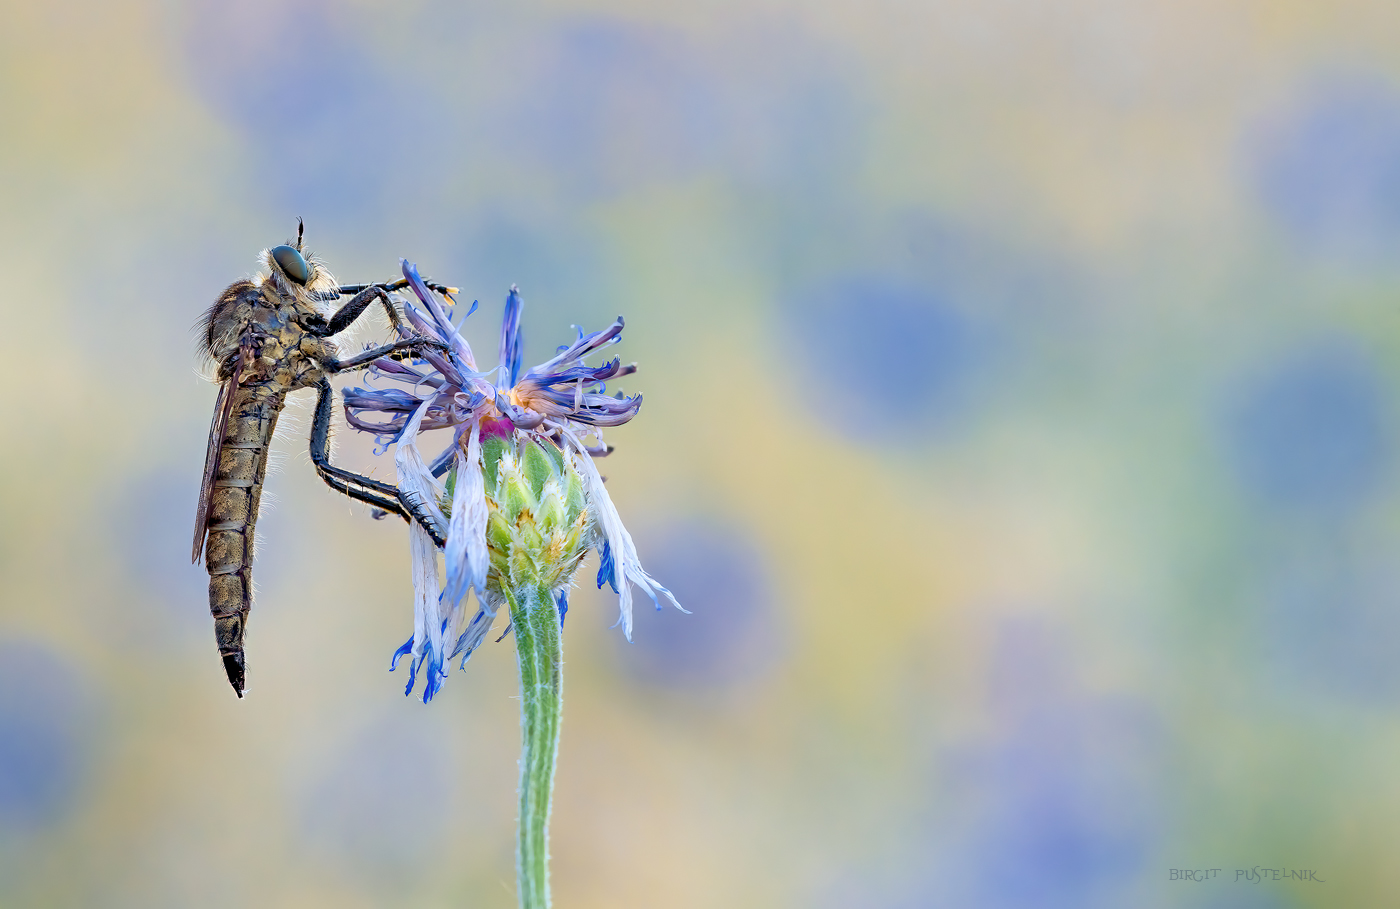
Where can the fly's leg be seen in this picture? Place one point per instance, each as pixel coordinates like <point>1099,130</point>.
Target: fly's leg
<point>349,290</point>
<point>369,356</point>
<point>384,496</point>
<point>366,294</point>
<point>366,489</point>
<point>400,284</point>
<point>355,308</point>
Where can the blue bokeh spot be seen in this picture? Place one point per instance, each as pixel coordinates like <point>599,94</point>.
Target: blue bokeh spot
<point>716,574</point>
<point>43,736</point>
<point>1312,432</point>
<point>1330,169</point>
<point>376,805</point>
<point>318,107</point>
<point>888,349</point>
<point>1325,620</point>
<point>1060,808</point>
<point>613,104</point>
<point>149,522</point>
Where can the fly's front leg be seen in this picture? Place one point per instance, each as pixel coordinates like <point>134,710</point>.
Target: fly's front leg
<point>384,496</point>
<point>400,284</point>
<point>366,294</point>
<point>351,311</point>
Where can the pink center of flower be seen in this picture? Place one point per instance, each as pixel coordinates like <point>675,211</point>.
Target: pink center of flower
<point>493,427</point>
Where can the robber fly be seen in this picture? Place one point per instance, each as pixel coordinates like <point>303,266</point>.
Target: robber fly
<point>269,336</point>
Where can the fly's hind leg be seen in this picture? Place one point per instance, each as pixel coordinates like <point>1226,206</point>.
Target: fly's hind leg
<point>384,496</point>
<point>366,489</point>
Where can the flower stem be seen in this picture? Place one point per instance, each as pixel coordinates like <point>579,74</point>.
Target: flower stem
<point>540,651</point>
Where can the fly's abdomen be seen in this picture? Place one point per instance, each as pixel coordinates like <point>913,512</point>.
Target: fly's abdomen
<point>233,515</point>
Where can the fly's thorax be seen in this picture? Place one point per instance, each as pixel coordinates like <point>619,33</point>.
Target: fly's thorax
<point>538,518</point>
<point>288,356</point>
<point>262,303</point>
<point>293,357</point>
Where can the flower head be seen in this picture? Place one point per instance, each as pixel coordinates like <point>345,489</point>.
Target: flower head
<point>514,493</point>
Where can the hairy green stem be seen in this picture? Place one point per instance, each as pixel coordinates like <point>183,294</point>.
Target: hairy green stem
<point>539,647</point>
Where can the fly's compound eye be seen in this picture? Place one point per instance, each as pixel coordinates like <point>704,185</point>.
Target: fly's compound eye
<point>292,263</point>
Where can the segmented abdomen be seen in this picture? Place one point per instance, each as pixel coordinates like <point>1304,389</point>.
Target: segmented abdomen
<point>233,514</point>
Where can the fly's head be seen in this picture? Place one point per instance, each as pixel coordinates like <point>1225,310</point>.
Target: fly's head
<point>273,306</point>
<point>295,274</point>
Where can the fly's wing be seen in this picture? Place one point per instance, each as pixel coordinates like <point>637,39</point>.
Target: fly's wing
<point>222,408</point>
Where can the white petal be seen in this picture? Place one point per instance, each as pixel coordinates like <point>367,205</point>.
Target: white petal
<point>480,625</point>
<point>467,556</point>
<point>414,476</point>
<point>427,626</point>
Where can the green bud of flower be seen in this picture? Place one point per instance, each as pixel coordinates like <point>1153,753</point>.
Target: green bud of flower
<point>538,517</point>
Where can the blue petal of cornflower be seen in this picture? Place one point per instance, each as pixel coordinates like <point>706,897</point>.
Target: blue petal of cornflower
<point>381,400</point>
<point>443,462</point>
<point>399,654</point>
<point>563,605</point>
<point>581,348</point>
<point>606,572</point>
<point>462,321</point>
<point>420,290</point>
<point>608,370</point>
<point>510,336</point>
<point>595,409</point>
<point>460,354</point>
<point>433,678</point>
<point>461,647</point>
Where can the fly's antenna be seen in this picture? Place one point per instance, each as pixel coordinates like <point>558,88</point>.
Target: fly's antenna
<point>301,226</point>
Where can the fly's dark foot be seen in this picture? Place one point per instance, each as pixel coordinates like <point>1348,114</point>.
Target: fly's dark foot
<point>415,351</point>
<point>233,665</point>
<point>433,342</point>
<point>427,282</point>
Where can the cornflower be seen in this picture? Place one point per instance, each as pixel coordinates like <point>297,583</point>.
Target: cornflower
<point>514,501</point>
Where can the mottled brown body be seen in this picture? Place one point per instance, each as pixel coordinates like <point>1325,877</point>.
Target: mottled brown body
<point>278,319</point>
<point>260,339</point>
<point>270,337</point>
<point>233,514</point>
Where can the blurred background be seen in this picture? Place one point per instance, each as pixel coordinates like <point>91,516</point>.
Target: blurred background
<point>1021,428</point>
